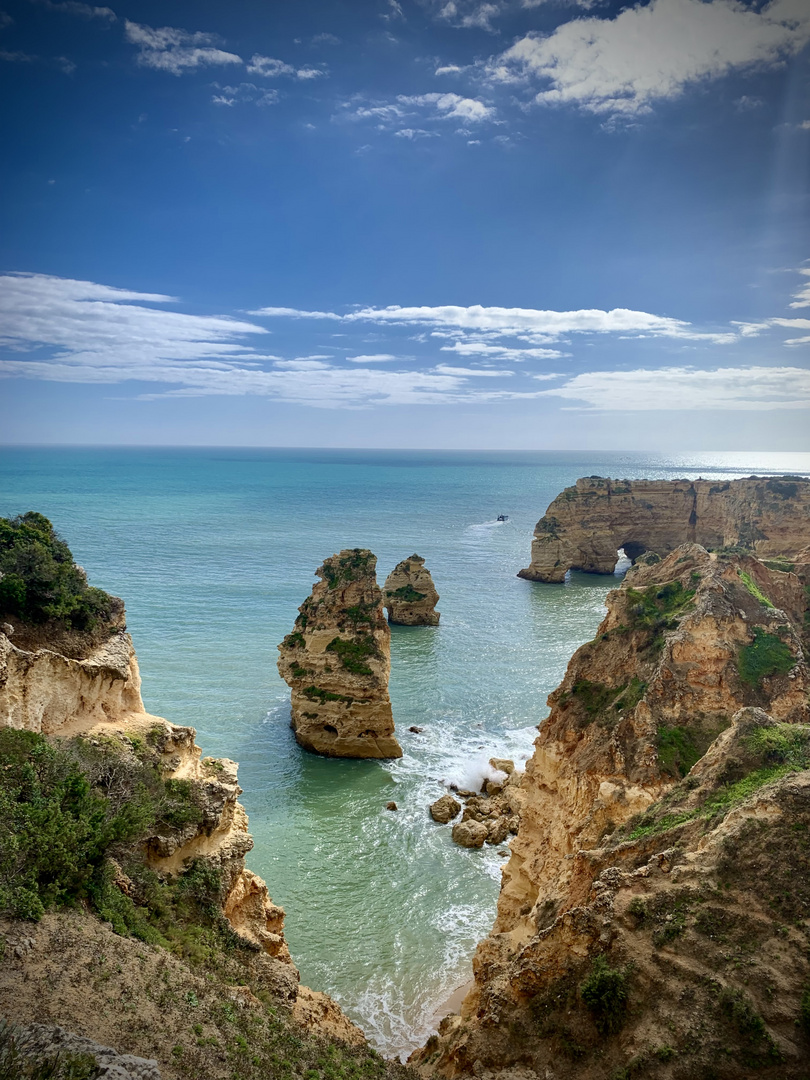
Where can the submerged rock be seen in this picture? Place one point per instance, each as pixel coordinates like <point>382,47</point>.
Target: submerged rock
<point>337,662</point>
<point>410,595</point>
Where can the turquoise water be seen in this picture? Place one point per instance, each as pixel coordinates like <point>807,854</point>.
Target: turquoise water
<point>213,551</point>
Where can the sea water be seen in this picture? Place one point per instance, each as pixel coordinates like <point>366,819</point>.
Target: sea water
<point>213,550</point>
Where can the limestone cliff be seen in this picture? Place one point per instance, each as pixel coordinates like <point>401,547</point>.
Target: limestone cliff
<point>585,526</point>
<point>409,594</point>
<point>337,662</point>
<point>97,699</point>
<point>622,947</point>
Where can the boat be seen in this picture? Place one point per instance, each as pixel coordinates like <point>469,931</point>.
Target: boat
<point>503,517</point>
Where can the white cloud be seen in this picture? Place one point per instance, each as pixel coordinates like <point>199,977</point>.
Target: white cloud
<point>85,11</point>
<point>451,105</point>
<point>448,69</point>
<point>500,352</point>
<point>244,93</point>
<point>372,358</point>
<point>622,66</point>
<point>467,14</point>
<point>394,12</point>
<point>270,68</point>
<point>447,369</point>
<point>802,297</point>
<point>667,389</point>
<point>294,313</point>
<point>175,51</point>
<point>415,133</point>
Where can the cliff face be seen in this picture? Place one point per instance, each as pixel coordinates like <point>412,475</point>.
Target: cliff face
<point>410,596</point>
<point>585,526</point>
<point>98,698</point>
<point>617,943</point>
<point>337,662</point>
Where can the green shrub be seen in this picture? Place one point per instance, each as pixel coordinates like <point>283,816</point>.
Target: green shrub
<point>766,655</point>
<point>407,593</point>
<point>347,567</point>
<point>605,993</point>
<point>677,752</point>
<point>40,582</point>
<point>658,609</point>
<point>753,588</point>
<point>353,653</point>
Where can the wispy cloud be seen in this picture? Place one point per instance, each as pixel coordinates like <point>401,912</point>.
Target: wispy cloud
<point>467,14</point>
<point>748,389</point>
<point>372,358</point>
<point>650,52</point>
<point>270,68</point>
<point>802,297</point>
<point>244,93</point>
<point>451,106</point>
<point>500,352</point>
<point>176,51</point>
<point>84,11</point>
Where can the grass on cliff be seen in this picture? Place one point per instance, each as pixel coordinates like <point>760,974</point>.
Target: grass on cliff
<point>348,566</point>
<point>40,583</point>
<point>766,655</point>
<point>354,653</point>
<point>407,593</point>
<point>659,609</point>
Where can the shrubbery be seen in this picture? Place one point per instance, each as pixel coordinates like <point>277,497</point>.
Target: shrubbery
<point>39,581</point>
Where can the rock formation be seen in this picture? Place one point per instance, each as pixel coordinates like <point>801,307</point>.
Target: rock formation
<point>585,526</point>
<point>97,699</point>
<point>410,596</point>
<point>658,858</point>
<point>337,662</point>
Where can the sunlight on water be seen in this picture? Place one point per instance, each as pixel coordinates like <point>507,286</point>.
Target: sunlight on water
<point>214,551</point>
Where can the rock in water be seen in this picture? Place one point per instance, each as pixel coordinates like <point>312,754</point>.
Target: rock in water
<point>337,661</point>
<point>410,595</point>
<point>585,526</point>
<point>470,833</point>
<point>444,809</point>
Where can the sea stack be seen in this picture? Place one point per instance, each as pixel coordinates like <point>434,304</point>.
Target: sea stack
<point>337,661</point>
<point>410,595</point>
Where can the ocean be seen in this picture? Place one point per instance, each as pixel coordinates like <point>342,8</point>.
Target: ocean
<point>214,549</point>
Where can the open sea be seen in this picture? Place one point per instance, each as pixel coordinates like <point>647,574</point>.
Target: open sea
<point>214,549</point>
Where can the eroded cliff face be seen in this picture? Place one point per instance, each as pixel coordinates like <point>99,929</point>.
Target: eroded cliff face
<point>337,662</point>
<point>409,594</point>
<point>638,877</point>
<point>585,526</point>
<point>98,700</point>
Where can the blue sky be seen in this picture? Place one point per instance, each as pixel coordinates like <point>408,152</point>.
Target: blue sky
<point>442,223</point>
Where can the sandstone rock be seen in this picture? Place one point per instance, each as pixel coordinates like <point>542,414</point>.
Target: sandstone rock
<point>337,663</point>
<point>492,787</point>
<point>498,830</point>
<point>502,765</point>
<point>585,526</point>
<point>471,834</point>
<point>391,806</point>
<point>444,809</point>
<point>410,596</point>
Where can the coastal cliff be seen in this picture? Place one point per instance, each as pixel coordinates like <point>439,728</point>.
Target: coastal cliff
<point>337,661</point>
<point>409,594</point>
<point>585,526</point>
<point>662,855</point>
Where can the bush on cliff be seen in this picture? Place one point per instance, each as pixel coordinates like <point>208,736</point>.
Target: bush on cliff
<point>39,582</point>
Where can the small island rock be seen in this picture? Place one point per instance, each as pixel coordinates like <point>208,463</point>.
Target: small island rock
<point>410,596</point>
<point>444,809</point>
<point>337,662</point>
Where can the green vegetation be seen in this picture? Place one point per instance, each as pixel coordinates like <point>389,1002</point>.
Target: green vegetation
<point>354,653</point>
<point>804,1011</point>
<point>660,609</point>
<point>314,693</point>
<point>766,655</point>
<point>780,563</point>
<point>348,566</point>
<point>407,593</point>
<point>295,640</point>
<point>677,750</point>
<point>753,588</point>
<point>361,613</point>
<point>605,993</point>
<point>597,698</point>
<point>64,811</point>
<point>39,581</point>
<point>744,1017</point>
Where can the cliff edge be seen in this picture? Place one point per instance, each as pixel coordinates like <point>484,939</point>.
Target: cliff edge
<point>654,916</point>
<point>586,525</point>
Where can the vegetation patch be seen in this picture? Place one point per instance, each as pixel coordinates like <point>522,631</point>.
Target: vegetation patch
<point>677,750</point>
<point>766,655</point>
<point>21,1060</point>
<point>407,593</point>
<point>295,640</point>
<point>314,693</point>
<point>361,614</point>
<point>785,566</point>
<point>660,608</point>
<point>348,566</point>
<point>354,653</point>
<point>605,992</point>
<point>40,583</point>
<point>753,588</point>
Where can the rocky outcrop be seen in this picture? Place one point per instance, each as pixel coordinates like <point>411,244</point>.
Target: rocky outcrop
<point>657,845</point>
<point>51,1047</point>
<point>337,662</point>
<point>97,698</point>
<point>585,526</point>
<point>409,594</point>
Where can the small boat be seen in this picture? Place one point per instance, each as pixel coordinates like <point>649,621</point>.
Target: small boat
<point>502,517</point>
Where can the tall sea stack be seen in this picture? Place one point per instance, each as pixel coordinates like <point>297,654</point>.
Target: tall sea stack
<point>337,661</point>
<point>409,594</point>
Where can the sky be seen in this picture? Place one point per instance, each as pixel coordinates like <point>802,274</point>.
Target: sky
<point>518,224</point>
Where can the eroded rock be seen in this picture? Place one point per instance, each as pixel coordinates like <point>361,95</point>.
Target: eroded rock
<point>337,662</point>
<point>470,834</point>
<point>445,809</point>
<point>409,594</point>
